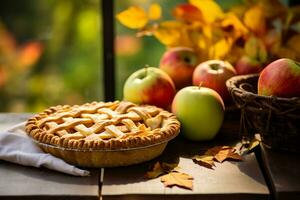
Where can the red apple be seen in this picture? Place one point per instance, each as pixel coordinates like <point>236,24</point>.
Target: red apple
<point>247,65</point>
<point>179,63</point>
<point>150,86</point>
<point>214,74</point>
<point>280,78</point>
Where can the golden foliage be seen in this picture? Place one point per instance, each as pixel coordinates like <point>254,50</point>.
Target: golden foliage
<point>263,30</point>
<point>179,179</point>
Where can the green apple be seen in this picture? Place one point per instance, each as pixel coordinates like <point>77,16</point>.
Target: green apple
<point>200,111</point>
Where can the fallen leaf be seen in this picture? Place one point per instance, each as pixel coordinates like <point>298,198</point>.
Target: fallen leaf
<point>177,179</point>
<point>214,150</point>
<point>170,167</point>
<point>155,172</point>
<point>205,161</point>
<point>133,17</point>
<point>221,153</point>
<point>161,168</point>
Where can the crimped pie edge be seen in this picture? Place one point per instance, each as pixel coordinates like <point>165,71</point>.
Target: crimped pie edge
<point>170,131</point>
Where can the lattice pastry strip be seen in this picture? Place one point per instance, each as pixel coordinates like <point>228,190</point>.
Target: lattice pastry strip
<point>129,124</point>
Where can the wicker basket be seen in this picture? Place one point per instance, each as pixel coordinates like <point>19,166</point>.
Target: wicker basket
<point>276,119</point>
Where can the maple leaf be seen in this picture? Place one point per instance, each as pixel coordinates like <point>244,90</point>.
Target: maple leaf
<point>177,179</point>
<point>161,168</point>
<point>205,161</point>
<point>155,172</point>
<point>221,153</point>
<point>133,17</point>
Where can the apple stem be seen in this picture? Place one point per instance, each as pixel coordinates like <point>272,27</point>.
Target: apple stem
<point>146,70</point>
<point>200,85</point>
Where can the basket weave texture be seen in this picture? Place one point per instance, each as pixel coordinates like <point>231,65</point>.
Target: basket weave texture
<point>276,119</point>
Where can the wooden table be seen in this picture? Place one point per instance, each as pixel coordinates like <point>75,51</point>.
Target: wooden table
<point>230,180</point>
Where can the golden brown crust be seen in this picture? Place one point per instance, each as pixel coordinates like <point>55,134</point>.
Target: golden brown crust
<point>37,127</point>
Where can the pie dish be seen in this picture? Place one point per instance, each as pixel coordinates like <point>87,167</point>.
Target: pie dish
<point>103,134</point>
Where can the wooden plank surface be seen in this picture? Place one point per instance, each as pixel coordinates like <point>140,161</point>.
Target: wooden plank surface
<point>283,172</point>
<point>230,180</point>
<point>20,182</point>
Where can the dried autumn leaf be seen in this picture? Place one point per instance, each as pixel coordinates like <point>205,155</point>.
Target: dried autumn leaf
<point>134,17</point>
<point>253,144</point>
<point>214,150</point>
<point>161,168</point>
<point>154,11</point>
<point>234,156</point>
<point>155,172</point>
<point>205,161</point>
<point>187,12</point>
<point>221,153</point>
<point>169,166</point>
<point>210,10</point>
<point>255,19</point>
<point>178,179</point>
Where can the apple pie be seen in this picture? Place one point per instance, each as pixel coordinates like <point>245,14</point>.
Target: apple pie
<point>103,134</point>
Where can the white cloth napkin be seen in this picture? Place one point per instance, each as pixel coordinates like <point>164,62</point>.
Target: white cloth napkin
<point>17,147</point>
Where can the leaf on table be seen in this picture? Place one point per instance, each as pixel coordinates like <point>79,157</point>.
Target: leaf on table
<point>221,153</point>
<point>161,168</point>
<point>248,146</point>
<point>177,179</point>
<point>155,172</point>
<point>205,161</point>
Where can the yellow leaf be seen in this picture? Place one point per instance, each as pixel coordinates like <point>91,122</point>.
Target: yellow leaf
<point>205,161</point>
<point>255,19</point>
<point>210,9</point>
<point>220,49</point>
<point>170,33</point>
<point>232,24</point>
<point>179,179</point>
<point>154,11</point>
<point>134,17</point>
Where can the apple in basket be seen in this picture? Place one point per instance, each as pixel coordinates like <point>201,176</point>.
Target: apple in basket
<point>280,78</point>
<point>214,74</point>
<point>200,111</point>
<point>149,85</point>
<point>179,63</point>
<point>247,65</point>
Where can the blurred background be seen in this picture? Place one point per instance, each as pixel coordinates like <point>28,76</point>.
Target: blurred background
<point>51,51</point>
